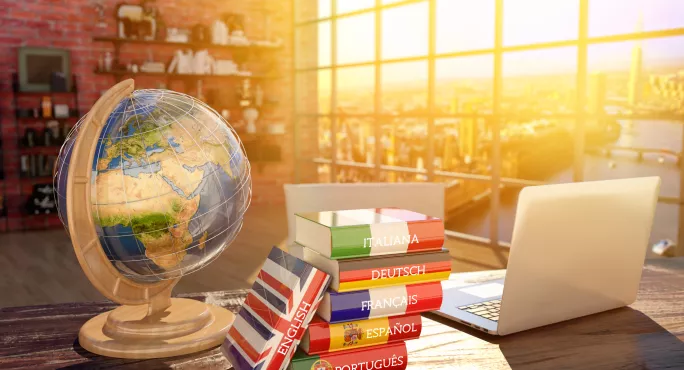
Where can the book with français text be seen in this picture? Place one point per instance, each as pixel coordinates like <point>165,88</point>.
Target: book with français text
<point>385,357</point>
<point>353,274</point>
<point>368,232</point>
<point>323,337</point>
<point>380,302</point>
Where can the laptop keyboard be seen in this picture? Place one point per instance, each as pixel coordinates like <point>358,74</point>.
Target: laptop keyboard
<point>488,310</point>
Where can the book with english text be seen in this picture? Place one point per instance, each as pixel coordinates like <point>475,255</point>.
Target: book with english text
<point>323,337</point>
<point>385,357</point>
<point>380,302</point>
<point>368,232</point>
<point>275,314</point>
<point>353,274</point>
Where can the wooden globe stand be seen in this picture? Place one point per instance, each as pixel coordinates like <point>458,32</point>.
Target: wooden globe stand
<point>150,324</point>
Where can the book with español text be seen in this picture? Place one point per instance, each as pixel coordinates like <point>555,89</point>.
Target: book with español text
<point>322,337</point>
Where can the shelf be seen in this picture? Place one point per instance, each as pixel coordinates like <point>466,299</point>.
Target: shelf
<point>192,45</point>
<point>185,76</point>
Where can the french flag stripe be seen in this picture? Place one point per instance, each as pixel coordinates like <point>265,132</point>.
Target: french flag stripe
<point>256,324</point>
<point>349,306</point>
<point>388,301</point>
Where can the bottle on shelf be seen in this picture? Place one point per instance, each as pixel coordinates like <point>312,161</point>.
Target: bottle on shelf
<point>46,106</point>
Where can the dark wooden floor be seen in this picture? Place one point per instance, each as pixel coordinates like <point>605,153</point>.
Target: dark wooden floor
<point>41,268</point>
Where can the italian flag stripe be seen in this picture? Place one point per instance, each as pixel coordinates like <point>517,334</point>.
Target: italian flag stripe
<point>378,239</point>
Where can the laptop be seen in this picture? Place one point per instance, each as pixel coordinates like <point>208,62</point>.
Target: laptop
<point>577,249</point>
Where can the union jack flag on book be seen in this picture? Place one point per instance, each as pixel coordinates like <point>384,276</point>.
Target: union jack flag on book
<point>276,312</point>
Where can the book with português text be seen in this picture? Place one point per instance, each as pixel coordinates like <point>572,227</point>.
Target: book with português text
<point>380,302</point>
<point>368,232</point>
<point>276,312</point>
<point>384,357</point>
<point>322,337</point>
<point>353,274</point>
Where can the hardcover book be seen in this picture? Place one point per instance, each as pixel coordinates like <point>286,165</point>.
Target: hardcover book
<point>380,271</point>
<point>385,357</point>
<point>276,312</point>
<point>380,302</point>
<point>323,337</point>
<point>368,232</point>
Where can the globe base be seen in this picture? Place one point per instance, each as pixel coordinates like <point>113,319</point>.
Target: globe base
<point>186,326</point>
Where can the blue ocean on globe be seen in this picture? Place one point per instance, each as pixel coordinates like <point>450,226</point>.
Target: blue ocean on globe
<point>170,185</point>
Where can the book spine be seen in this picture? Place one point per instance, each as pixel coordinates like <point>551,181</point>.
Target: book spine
<point>324,337</point>
<point>387,357</point>
<point>382,302</point>
<point>394,275</point>
<point>386,238</point>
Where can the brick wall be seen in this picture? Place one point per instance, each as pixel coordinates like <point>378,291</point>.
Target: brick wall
<point>71,24</point>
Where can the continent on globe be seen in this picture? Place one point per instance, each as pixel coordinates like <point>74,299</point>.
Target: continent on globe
<point>170,185</point>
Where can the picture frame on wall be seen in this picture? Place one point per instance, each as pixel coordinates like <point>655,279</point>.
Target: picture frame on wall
<point>37,67</point>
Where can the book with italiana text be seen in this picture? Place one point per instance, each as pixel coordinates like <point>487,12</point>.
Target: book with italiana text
<point>368,232</point>
<point>323,337</point>
<point>380,302</point>
<point>384,357</point>
<point>275,314</point>
<point>353,274</point>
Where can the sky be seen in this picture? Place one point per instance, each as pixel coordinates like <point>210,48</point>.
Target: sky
<point>469,25</point>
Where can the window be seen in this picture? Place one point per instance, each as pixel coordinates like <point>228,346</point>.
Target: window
<point>424,90</point>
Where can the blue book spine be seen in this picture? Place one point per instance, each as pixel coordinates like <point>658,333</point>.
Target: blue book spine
<point>348,306</point>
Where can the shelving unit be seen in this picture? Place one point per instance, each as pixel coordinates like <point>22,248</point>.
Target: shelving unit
<point>187,77</point>
<point>17,202</point>
<point>192,45</point>
<point>262,148</point>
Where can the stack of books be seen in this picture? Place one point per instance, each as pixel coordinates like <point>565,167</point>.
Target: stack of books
<point>385,266</point>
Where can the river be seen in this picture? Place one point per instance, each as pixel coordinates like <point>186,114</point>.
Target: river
<point>644,134</point>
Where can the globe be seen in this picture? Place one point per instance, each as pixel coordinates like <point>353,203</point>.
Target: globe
<point>169,186</point>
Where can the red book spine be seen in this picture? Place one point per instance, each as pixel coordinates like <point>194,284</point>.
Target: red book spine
<point>430,235</point>
<point>430,297</point>
<point>325,337</point>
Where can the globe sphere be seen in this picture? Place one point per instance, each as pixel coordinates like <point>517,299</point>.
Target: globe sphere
<point>170,185</point>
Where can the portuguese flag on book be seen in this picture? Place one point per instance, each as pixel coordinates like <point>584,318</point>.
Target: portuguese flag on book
<point>368,232</point>
<point>385,357</point>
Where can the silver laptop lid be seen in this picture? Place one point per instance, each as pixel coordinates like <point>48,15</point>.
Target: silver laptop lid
<point>577,249</point>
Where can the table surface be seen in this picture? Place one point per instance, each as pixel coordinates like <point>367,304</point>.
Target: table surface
<point>645,335</point>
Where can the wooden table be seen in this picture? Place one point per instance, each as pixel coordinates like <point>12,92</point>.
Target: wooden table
<point>647,335</point>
